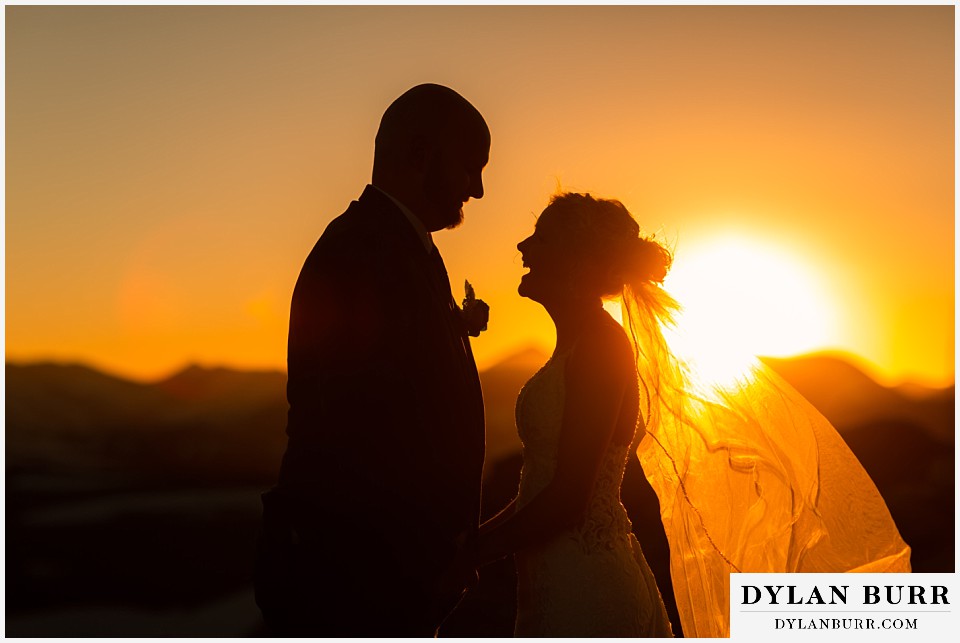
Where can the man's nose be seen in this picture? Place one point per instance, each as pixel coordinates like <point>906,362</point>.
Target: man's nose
<point>476,187</point>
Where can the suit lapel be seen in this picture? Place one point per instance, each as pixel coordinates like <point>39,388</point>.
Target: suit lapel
<point>409,243</point>
<point>394,223</point>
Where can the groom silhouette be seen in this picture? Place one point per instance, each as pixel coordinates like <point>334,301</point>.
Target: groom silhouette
<point>380,480</point>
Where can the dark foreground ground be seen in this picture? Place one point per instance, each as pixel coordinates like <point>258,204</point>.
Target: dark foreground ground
<point>126,519</point>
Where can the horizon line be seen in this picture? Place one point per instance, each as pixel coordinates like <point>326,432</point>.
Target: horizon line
<point>856,361</point>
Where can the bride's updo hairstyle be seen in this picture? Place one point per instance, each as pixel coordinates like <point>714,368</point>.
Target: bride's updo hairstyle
<point>606,242</point>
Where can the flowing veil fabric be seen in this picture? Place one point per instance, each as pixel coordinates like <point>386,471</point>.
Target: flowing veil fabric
<point>750,478</point>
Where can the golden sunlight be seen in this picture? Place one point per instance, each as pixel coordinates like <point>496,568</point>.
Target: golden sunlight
<point>742,298</point>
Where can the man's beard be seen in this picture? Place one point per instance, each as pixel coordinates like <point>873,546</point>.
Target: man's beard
<point>446,206</point>
<point>459,220</point>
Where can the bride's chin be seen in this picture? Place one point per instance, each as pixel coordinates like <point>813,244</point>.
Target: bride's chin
<point>524,290</point>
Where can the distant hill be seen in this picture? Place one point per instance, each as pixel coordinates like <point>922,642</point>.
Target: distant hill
<point>199,424</point>
<point>50,403</point>
<point>75,397</point>
<point>88,399</point>
<point>849,398</point>
<point>224,386</point>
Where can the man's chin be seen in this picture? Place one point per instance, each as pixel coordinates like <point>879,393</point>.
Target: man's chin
<point>455,221</point>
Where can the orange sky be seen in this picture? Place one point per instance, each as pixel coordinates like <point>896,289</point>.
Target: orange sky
<point>169,168</point>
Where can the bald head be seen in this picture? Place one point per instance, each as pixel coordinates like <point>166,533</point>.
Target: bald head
<point>422,115</point>
<point>430,149</point>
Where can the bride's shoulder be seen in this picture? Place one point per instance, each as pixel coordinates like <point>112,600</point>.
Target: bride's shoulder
<point>603,346</point>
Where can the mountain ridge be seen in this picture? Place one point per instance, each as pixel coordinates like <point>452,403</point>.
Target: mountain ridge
<point>833,382</point>
<point>524,357</point>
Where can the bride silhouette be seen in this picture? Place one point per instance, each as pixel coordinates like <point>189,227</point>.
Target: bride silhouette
<point>750,477</point>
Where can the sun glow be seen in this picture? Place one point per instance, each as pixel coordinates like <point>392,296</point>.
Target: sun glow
<point>742,298</point>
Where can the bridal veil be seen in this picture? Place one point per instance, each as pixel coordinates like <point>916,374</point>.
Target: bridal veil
<point>750,477</point>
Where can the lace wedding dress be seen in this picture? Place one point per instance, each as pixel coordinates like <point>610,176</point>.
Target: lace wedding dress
<point>592,580</point>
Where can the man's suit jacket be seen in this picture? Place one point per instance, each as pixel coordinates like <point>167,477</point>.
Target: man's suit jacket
<point>385,426</point>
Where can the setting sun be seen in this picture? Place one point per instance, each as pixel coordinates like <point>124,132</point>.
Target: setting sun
<point>743,297</point>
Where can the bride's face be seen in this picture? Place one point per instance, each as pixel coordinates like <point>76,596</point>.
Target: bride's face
<point>548,255</point>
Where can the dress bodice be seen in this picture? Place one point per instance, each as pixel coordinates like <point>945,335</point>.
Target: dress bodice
<point>539,420</point>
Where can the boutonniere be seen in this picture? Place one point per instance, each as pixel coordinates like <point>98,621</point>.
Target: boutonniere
<point>475,313</point>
